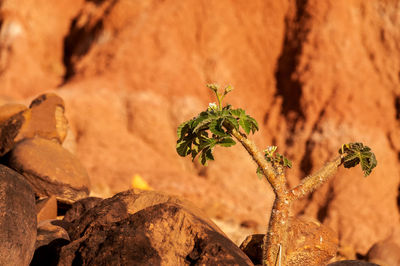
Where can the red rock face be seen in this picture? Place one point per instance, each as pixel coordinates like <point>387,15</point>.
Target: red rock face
<point>315,74</point>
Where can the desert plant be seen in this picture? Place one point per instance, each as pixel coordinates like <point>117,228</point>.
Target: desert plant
<point>222,125</point>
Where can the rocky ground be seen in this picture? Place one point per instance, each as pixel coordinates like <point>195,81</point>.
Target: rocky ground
<point>315,74</point>
<point>48,217</point>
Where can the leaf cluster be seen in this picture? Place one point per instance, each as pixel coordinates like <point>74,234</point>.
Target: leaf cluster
<point>276,159</point>
<point>357,153</point>
<point>279,159</point>
<point>210,128</point>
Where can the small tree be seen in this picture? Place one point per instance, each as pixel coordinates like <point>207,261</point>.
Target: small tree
<point>222,125</point>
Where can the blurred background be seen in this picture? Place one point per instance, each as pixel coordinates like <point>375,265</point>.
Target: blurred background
<point>314,74</point>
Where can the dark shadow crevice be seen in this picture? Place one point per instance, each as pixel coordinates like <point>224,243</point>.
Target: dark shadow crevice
<point>83,34</point>
<point>398,196</point>
<point>323,210</point>
<point>289,87</point>
<point>397,107</point>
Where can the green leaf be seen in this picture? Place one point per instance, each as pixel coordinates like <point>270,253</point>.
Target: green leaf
<point>276,158</point>
<point>351,160</point>
<point>194,153</point>
<point>287,162</point>
<point>226,142</point>
<point>201,122</point>
<point>207,143</point>
<point>237,112</point>
<point>254,124</point>
<point>245,121</point>
<point>232,122</point>
<point>206,155</point>
<point>245,124</point>
<point>183,148</point>
<point>368,162</point>
<point>357,153</point>
<point>194,136</point>
<point>216,127</point>
<point>183,129</point>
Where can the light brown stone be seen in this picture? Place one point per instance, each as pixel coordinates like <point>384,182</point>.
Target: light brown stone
<point>47,119</point>
<point>46,209</point>
<point>44,118</point>
<point>309,243</point>
<point>50,169</point>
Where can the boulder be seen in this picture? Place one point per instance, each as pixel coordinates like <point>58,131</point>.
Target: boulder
<point>148,228</point>
<point>50,169</point>
<point>17,218</point>
<point>46,208</point>
<point>124,204</point>
<point>162,234</point>
<point>309,243</point>
<point>80,207</point>
<point>47,119</point>
<point>44,118</point>
<point>9,130</point>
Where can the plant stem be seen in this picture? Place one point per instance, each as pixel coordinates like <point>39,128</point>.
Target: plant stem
<point>266,167</point>
<point>275,240</point>
<point>311,182</point>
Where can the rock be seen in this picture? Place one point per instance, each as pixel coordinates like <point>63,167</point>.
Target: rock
<point>9,131</point>
<point>50,169</point>
<point>310,243</point>
<point>163,234</point>
<point>46,209</point>
<point>17,219</point>
<point>47,119</point>
<point>9,110</point>
<point>50,238</point>
<point>80,207</point>
<point>44,118</point>
<point>47,231</point>
<point>352,263</point>
<point>124,204</point>
<point>386,252</point>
